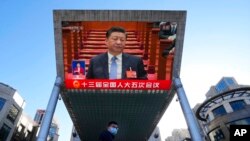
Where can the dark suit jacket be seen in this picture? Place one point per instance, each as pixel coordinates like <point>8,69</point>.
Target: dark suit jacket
<point>164,34</point>
<point>98,67</point>
<point>106,136</point>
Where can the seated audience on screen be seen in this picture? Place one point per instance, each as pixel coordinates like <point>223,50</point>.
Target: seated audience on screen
<point>168,31</point>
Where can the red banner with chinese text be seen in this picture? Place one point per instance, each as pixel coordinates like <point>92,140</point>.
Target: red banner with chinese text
<point>117,84</point>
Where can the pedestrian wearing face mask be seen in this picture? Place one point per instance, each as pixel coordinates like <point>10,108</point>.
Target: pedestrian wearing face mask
<point>110,132</point>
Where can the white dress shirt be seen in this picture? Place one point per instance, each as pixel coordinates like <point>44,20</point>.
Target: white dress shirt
<point>118,62</point>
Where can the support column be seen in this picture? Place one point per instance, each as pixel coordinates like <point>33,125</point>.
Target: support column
<point>46,122</point>
<point>189,116</point>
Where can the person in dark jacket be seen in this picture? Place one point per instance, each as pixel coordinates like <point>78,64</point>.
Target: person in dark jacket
<point>110,132</point>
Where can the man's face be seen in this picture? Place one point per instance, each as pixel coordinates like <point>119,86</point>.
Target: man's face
<point>166,27</point>
<point>116,42</point>
<point>78,65</point>
<point>113,129</point>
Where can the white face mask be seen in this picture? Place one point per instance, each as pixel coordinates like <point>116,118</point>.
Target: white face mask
<point>113,130</point>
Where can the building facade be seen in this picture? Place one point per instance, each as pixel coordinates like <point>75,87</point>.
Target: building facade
<point>26,129</point>
<point>54,127</point>
<point>179,135</point>
<point>227,103</point>
<point>11,107</point>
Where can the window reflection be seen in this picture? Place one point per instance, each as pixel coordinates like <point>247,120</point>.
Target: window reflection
<point>13,113</point>
<point>2,102</point>
<point>245,121</point>
<point>219,111</point>
<point>238,105</point>
<point>4,132</point>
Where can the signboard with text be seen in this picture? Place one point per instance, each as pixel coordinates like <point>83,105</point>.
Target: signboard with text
<point>118,84</point>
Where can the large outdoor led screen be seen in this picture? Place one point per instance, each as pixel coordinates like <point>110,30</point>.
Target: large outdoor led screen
<point>152,42</point>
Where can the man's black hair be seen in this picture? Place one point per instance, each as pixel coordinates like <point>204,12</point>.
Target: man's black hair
<point>115,29</point>
<point>112,122</point>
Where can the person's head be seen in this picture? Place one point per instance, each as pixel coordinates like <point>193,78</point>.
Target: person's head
<point>112,127</point>
<point>116,39</point>
<point>167,26</point>
<point>78,65</point>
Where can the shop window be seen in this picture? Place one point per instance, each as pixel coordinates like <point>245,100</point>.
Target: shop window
<point>13,113</point>
<point>4,132</point>
<point>216,135</point>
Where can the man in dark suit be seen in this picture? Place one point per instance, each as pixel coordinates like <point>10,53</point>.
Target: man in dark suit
<point>114,64</point>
